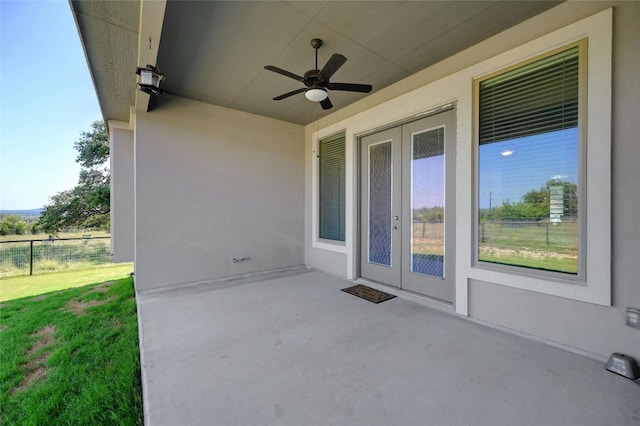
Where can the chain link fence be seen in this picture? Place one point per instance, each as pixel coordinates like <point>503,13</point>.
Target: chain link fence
<point>29,257</point>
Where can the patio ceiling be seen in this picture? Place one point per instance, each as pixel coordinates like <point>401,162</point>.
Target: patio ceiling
<point>215,51</point>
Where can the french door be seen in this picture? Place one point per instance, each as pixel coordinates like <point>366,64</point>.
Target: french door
<point>408,206</point>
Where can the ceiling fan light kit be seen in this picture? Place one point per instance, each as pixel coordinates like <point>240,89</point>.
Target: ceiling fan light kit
<point>316,95</point>
<point>317,82</point>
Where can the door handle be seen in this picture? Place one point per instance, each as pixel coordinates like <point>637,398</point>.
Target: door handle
<point>397,217</point>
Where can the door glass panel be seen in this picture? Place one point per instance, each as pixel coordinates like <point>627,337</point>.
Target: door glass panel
<point>427,202</point>
<point>380,181</point>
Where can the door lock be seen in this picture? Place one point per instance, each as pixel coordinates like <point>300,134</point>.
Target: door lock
<point>395,227</point>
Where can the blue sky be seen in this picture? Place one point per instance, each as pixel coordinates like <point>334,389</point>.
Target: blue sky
<point>534,160</point>
<point>46,100</point>
<point>428,182</point>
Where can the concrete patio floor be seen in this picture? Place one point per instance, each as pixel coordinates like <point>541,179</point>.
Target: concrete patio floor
<point>295,350</point>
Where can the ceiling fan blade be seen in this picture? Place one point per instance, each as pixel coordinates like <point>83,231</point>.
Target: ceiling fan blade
<point>326,104</point>
<point>334,63</point>
<point>350,87</point>
<point>285,73</point>
<point>293,92</point>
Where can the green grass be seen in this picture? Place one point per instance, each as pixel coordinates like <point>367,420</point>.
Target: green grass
<point>534,235</point>
<point>66,362</point>
<point>538,245</point>
<point>569,266</point>
<point>14,287</point>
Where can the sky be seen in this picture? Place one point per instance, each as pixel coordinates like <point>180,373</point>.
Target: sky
<point>532,161</point>
<point>47,99</point>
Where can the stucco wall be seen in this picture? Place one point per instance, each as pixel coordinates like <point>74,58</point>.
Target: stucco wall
<point>598,330</point>
<point>122,200</point>
<point>213,184</point>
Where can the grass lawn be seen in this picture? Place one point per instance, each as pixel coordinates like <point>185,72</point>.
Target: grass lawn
<point>72,356</point>
<point>22,286</point>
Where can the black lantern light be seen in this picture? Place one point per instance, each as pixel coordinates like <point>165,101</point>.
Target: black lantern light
<point>150,79</point>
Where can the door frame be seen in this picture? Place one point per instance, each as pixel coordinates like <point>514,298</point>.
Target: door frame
<point>357,246</point>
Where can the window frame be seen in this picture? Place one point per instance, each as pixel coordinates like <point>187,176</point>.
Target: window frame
<point>581,276</point>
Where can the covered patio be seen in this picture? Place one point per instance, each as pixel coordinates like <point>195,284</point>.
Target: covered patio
<point>288,347</point>
<point>221,181</point>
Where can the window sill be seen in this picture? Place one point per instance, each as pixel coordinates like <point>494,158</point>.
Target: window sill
<point>594,291</point>
<point>547,275</point>
<point>330,245</point>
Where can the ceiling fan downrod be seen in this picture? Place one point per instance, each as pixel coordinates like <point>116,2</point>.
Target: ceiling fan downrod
<point>316,43</point>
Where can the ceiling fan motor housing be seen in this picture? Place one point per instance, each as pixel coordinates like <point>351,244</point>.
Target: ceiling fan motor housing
<point>311,78</point>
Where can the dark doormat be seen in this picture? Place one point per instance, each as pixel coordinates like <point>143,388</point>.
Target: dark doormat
<point>368,293</point>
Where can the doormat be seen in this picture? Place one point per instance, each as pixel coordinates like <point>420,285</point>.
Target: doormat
<point>368,293</point>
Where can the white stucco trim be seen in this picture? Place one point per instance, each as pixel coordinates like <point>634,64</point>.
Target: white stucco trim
<point>121,191</point>
<point>597,286</point>
<point>122,125</point>
<point>457,87</point>
<point>151,20</point>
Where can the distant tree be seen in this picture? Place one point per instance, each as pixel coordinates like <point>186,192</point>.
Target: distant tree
<point>34,227</point>
<point>87,204</point>
<point>429,214</point>
<point>540,199</point>
<point>12,225</point>
<point>535,204</point>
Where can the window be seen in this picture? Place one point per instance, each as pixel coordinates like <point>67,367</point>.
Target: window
<point>332,187</point>
<point>529,188</point>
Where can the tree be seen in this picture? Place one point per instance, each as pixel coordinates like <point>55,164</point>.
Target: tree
<point>11,224</point>
<point>93,147</point>
<point>34,227</point>
<point>535,204</point>
<point>540,200</point>
<point>87,204</point>
<point>429,214</point>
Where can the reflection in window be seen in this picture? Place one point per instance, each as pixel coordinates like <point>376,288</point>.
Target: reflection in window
<point>427,203</point>
<point>528,165</point>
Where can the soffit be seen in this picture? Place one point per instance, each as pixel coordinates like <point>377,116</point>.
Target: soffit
<point>215,51</point>
<point>109,35</point>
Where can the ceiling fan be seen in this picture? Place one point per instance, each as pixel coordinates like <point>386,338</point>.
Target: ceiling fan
<point>317,81</point>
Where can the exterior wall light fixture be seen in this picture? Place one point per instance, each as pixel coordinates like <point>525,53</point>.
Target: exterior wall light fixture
<point>150,79</point>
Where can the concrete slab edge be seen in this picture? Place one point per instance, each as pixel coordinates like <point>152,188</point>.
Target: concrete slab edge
<point>228,281</point>
<point>143,372</point>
